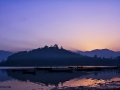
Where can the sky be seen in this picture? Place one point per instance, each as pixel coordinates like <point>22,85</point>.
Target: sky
<point>74,24</point>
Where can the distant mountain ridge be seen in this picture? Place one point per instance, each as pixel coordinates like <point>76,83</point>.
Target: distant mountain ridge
<point>4,55</point>
<point>100,53</point>
<point>55,56</point>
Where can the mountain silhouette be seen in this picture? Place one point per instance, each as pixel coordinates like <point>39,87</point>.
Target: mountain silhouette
<point>4,55</point>
<point>100,53</point>
<point>55,56</point>
<point>52,55</point>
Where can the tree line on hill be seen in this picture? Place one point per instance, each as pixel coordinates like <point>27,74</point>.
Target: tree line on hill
<point>54,56</point>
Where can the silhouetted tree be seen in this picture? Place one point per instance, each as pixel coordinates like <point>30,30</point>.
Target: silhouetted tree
<point>46,47</point>
<point>56,46</point>
<point>61,47</point>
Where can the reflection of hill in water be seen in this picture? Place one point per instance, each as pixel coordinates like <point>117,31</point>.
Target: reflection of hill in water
<point>3,75</point>
<point>55,78</point>
<point>105,74</point>
<point>45,77</point>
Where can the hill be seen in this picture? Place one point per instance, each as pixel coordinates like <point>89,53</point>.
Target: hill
<point>52,55</point>
<point>100,53</point>
<point>55,56</point>
<point>4,55</point>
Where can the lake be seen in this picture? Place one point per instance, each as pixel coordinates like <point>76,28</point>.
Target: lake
<point>44,80</point>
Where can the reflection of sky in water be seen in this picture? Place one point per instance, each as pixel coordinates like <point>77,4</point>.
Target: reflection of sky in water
<point>102,79</point>
<point>105,79</point>
<point>89,82</point>
<point>103,75</point>
<point>83,82</point>
<point>21,85</point>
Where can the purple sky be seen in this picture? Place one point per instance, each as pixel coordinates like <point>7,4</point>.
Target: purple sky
<point>73,24</point>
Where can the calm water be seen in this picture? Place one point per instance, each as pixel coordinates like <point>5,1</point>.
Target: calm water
<point>44,80</point>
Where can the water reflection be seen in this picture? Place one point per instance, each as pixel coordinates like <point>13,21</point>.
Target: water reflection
<point>83,82</point>
<point>21,85</point>
<point>3,75</point>
<point>89,82</point>
<point>45,77</point>
<point>104,79</point>
<point>45,81</point>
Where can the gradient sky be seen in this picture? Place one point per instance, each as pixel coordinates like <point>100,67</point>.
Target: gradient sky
<point>73,24</point>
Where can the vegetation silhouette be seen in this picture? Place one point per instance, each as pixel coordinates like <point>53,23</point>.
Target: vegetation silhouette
<point>54,56</point>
